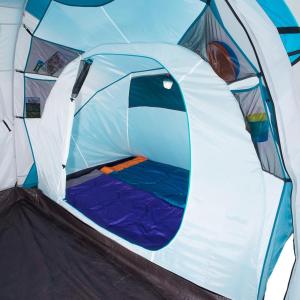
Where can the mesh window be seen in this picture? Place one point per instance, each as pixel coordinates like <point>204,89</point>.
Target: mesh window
<point>36,94</point>
<point>207,38</point>
<point>46,58</point>
<point>260,128</point>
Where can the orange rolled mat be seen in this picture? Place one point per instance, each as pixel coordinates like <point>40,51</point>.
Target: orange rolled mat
<point>127,164</point>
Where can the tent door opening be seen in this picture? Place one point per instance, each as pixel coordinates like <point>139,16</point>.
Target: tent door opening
<point>129,156</point>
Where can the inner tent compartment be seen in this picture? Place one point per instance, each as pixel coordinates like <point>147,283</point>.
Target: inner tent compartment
<point>129,107</point>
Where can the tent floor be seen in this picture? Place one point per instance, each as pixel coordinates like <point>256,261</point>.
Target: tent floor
<point>46,253</point>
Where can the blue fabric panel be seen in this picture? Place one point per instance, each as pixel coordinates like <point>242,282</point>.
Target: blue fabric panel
<point>84,2</point>
<point>291,41</point>
<point>278,12</point>
<point>37,7</point>
<point>135,215</point>
<point>164,181</point>
<point>150,91</point>
<point>32,178</point>
<point>295,58</point>
<point>281,16</point>
<point>282,230</point>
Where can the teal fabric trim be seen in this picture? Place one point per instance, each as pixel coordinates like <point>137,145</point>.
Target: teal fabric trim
<point>245,90</point>
<point>37,7</point>
<point>272,113</point>
<point>282,230</point>
<point>291,43</point>
<point>83,3</point>
<point>294,59</point>
<point>32,178</point>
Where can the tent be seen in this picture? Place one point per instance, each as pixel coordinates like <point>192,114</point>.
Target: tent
<point>165,133</point>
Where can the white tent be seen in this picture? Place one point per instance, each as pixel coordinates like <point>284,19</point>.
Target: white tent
<point>72,96</point>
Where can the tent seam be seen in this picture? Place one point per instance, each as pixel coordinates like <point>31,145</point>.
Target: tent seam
<point>76,145</point>
<point>115,25</point>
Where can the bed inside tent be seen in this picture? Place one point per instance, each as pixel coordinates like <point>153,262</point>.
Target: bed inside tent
<point>131,138</point>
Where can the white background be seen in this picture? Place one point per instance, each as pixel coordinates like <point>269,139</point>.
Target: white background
<point>278,282</point>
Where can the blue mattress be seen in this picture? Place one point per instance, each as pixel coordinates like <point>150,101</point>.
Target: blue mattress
<point>124,203</point>
<point>164,181</point>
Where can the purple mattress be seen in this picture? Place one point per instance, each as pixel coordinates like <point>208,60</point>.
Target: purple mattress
<point>133,214</point>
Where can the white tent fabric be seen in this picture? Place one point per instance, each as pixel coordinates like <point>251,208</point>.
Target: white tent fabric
<point>216,115</point>
<point>232,203</point>
<point>10,17</point>
<point>114,22</point>
<point>294,6</point>
<point>288,106</point>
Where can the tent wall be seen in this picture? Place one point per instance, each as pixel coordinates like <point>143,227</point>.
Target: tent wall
<point>10,18</point>
<point>106,128</point>
<point>99,133</point>
<point>160,134</point>
<point>24,156</point>
<point>191,254</point>
<point>286,104</point>
<point>226,243</point>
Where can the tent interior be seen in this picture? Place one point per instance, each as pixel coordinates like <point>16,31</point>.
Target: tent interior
<point>129,160</point>
<point>136,110</point>
<point>153,128</point>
